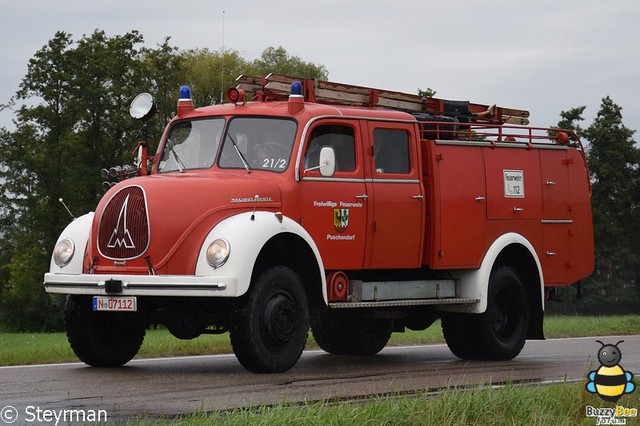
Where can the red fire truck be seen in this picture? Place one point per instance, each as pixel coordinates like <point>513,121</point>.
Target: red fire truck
<point>355,212</point>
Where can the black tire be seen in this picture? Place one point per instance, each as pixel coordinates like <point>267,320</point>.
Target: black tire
<point>500,332</point>
<point>346,333</point>
<point>269,330</point>
<point>102,339</point>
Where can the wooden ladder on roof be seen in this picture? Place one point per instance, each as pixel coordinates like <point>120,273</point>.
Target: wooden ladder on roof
<point>278,86</point>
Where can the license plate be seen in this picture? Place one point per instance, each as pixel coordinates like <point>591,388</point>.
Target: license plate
<point>119,304</point>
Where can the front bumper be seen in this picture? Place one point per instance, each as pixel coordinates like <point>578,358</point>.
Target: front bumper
<point>141,285</point>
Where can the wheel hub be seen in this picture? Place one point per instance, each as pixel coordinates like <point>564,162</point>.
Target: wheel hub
<point>280,319</point>
<point>504,316</point>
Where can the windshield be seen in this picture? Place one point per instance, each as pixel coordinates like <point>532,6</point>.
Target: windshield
<point>256,143</point>
<point>191,145</point>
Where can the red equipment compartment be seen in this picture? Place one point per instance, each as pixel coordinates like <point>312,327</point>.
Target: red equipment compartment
<point>457,204</point>
<point>513,183</point>
<point>581,253</point>
<point>557,220</point>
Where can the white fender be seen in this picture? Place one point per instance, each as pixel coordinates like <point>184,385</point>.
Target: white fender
<point>474,283</point>
<point>247,233</point>
<point>77,231</point>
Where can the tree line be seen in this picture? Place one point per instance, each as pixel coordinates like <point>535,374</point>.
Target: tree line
<point>71,120</point>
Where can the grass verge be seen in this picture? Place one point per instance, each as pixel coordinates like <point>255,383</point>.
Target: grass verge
<point>557,404</point>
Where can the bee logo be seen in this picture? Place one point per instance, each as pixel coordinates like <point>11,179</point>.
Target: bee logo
<point>610,381</point>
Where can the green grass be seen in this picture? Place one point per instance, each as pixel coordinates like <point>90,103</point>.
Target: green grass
<point>43,348</point>
<point>575,326</point>
<point>40,348</point>
<point>557,404</point>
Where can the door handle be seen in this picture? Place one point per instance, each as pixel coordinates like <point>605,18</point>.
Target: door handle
<point>480,198</point>
<point>418,197</point>
<point>362,197</point>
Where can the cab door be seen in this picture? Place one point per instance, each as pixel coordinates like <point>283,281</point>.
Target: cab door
<point>396,196</point>
<point>334,209</point>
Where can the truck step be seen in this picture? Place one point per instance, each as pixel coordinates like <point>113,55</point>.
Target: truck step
<point>401,303</point>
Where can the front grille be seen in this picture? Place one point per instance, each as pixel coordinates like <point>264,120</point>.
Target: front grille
<point>123,232</point>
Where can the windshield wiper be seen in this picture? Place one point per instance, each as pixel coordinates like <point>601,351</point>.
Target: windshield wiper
<point>179,162</point>
<point>244,160</point>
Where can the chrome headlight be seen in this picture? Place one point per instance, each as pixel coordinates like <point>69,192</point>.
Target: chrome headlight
<point>218,252</point>
<point>63,252</point>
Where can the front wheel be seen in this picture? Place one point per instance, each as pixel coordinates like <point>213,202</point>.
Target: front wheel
<point>500,332</point>
<point>102,339</point>
<point>269,330</point>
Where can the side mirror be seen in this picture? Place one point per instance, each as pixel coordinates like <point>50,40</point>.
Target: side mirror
<point>143,107</point>
<point>327,161</point>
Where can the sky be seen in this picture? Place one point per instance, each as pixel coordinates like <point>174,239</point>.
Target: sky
<point>546,56</point>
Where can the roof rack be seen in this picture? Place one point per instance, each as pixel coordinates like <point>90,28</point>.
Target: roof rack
<point>277,87</point>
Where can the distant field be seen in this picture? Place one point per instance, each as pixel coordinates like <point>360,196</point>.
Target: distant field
<point>46,348</point>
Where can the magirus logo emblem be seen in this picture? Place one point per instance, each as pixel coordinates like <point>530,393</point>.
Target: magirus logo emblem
<point>123,232</point>
<point>121,237</point>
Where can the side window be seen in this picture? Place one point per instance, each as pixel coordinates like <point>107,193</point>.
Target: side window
<point>391,151</point>
<point>341,138</point>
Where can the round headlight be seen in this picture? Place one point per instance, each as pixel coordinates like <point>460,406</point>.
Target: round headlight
<point>218,252</point>
<point>63,252</point>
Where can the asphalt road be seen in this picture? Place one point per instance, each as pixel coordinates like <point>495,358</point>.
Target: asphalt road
<point>172,386</point>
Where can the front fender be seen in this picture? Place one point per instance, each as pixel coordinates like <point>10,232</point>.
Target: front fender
<point>474,284</point>
<point>247,233</point>
<point>78,231</point>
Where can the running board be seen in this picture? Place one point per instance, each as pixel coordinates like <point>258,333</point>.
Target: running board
<point>400,303</point>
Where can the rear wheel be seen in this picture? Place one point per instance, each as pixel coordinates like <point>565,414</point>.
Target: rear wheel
<point>500,332</point>
<point>270,329</point>
<point>102,339</point>
<point>347,333</point>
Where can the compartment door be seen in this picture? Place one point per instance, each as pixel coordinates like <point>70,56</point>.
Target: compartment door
<point>458,200</point>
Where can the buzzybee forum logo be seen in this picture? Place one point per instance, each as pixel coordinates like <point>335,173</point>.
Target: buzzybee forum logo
<point>610,382</point>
